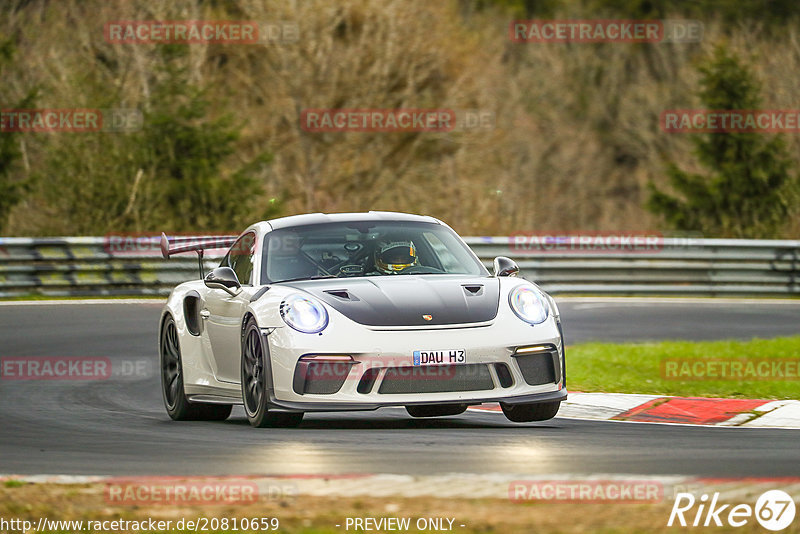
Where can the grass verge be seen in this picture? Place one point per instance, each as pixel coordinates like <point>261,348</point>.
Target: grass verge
<point>682,368</point>
<point>321,515</point>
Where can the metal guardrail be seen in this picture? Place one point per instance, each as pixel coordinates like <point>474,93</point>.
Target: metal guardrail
<point>660,266</point>
<point>92,266</point>
<point>89,266</point>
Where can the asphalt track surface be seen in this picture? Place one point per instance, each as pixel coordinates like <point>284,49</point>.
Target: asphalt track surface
<point>118,426</point>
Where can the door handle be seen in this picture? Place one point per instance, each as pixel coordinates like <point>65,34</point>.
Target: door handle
<point>205,314</point>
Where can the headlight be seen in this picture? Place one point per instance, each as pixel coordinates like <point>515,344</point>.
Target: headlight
<point>529,304</point>
<point>304,314</point>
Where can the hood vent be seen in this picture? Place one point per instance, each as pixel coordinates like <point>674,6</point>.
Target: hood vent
<point>473,289</point>
<point>340,294</point>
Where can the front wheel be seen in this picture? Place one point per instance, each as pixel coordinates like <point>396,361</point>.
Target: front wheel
<point>255,383</point>
<point>178,406</point>
<point>525,413</point>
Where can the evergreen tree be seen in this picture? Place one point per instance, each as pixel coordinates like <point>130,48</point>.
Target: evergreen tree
<point>745,191</point>
<point>186,151</point>
<point>12,187</point>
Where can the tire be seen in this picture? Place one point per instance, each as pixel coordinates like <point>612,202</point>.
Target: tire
<point>435,410</point>
<point>172,391</point>
<point>255,382</point>
<point>525,413</point>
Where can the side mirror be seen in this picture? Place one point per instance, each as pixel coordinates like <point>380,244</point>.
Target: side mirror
<point>505,266</point>
<point>225,279</point>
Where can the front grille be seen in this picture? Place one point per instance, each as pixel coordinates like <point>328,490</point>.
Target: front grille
<point>539,368</point>
<point>436,379</point>
<point>368,380</point>
<point>504,375</point>
<point>320,378</point>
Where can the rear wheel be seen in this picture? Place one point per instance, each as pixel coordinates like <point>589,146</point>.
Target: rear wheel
<point>255,384</point>
<point>178,406</point>
<point>435,410</point>
<point>525,413</point>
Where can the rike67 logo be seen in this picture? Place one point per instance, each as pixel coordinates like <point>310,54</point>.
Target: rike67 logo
<point>774,510</point>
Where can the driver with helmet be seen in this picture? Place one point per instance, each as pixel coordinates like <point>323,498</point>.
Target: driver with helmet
<point>396,257</point>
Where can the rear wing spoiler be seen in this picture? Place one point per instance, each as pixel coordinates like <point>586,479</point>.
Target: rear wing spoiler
<point>179,245</point>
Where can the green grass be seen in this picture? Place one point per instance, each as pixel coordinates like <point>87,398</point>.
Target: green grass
<point>637,368</point>
<point>13,483</point>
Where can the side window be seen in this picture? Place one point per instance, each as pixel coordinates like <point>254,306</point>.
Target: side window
<point>240,258</point>
<point>449,262</point>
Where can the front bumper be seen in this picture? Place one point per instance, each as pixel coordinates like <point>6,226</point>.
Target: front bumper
<point>288,406</point>
<point>490,348</point>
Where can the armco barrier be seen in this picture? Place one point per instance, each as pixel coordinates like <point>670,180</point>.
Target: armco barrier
<point>672,266</point>
<point>83,266</point>
<point>87,266</point>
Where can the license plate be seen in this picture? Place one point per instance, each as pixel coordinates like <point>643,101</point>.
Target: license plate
<point>440,357</point>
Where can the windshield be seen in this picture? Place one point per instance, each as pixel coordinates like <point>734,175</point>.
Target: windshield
<point>365,248</point>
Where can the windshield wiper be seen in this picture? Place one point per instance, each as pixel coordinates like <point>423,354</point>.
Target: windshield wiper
<point>320,277</point>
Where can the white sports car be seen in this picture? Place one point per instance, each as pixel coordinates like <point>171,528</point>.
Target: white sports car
<point>355,312</point>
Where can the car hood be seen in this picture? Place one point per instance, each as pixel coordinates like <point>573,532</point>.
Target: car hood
<point>409,300</point>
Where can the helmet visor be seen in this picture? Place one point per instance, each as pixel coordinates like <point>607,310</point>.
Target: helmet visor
<point>396,257</point>
<point>400,255</point>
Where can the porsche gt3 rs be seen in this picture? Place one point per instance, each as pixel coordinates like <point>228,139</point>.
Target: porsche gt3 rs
<point>330,312</point>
